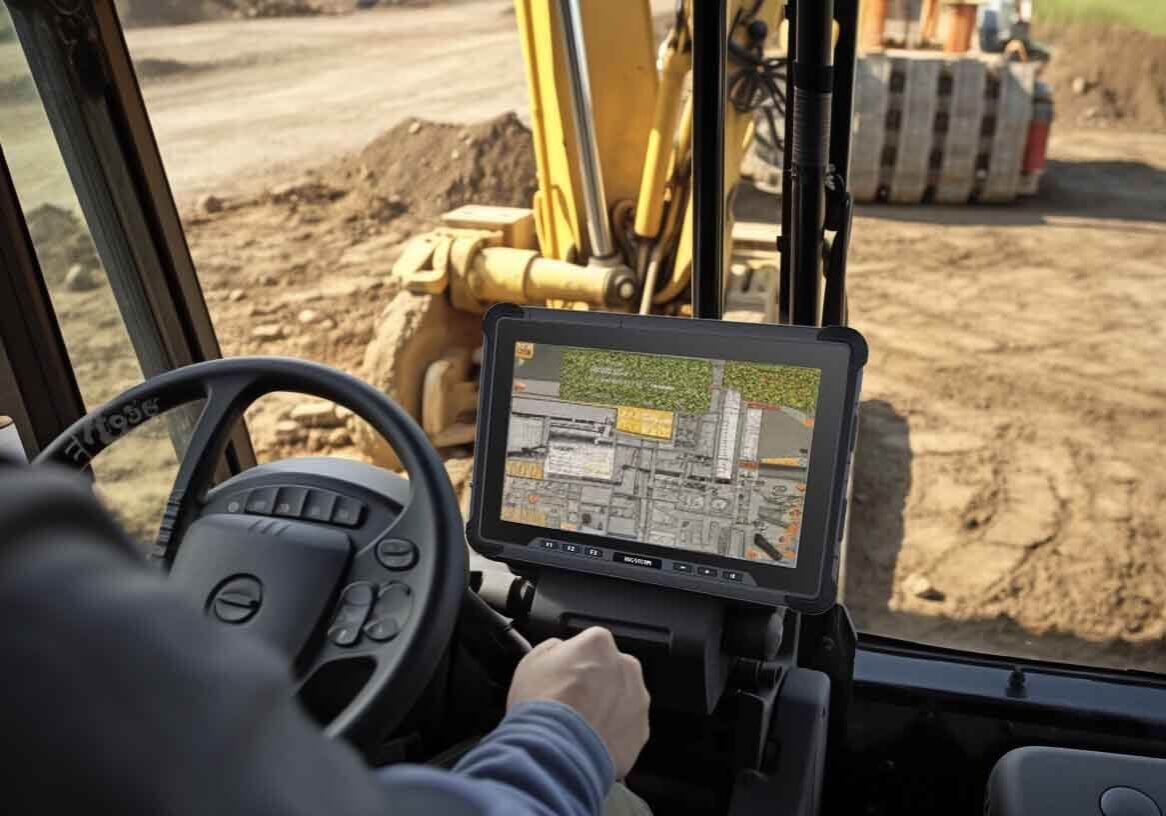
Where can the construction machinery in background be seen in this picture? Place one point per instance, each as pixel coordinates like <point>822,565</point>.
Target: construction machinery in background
<point>612,224</point>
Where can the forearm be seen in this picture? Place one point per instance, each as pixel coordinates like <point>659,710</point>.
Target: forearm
<point>543,760</point>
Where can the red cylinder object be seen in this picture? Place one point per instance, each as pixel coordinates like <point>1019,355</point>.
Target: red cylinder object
<point>1037,147</point>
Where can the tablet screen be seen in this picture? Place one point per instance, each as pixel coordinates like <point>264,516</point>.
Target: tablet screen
<point>697,454</point>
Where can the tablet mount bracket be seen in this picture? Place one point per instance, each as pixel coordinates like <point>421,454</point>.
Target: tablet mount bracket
<point>693,646</point>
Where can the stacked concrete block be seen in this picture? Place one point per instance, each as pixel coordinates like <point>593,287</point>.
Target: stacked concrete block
<point>943,128</point>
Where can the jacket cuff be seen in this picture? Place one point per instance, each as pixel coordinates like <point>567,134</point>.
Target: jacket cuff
<point>600,766</point>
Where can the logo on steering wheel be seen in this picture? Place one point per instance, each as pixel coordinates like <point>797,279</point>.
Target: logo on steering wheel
<point>237,599</point>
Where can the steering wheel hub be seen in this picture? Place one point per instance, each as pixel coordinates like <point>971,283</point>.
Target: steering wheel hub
<point>279,577</point>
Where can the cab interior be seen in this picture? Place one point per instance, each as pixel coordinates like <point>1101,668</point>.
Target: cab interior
<point>755,710</point>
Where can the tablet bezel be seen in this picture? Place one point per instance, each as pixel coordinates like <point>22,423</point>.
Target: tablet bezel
<point>811,583</point>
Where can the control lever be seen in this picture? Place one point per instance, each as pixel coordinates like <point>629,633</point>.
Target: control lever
<point>507,594</point>
<point>491,638</point>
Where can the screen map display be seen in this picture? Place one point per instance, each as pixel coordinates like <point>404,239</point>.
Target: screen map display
<point>684,452</point>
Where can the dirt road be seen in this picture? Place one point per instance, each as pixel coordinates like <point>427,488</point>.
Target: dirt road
<point>462,63</point>
<point>232,101</point>
<point>1010,456</point>
<point>1010,473</point>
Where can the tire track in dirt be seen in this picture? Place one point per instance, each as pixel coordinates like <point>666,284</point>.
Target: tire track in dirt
<point>1019,351</point>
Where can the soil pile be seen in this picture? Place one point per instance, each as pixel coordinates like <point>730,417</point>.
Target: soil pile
<point>178,12</point>
<point>395,187</point>
<point>302,267</point>
<point>275,8</point>
<point>61,242</point>
<point>1107,76</point>
<point>434,167</point>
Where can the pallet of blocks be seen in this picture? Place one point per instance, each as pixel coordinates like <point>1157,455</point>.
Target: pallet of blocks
<point>949,128</point>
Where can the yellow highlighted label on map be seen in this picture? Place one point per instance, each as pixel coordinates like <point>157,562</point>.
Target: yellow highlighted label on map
<point>524,515</point>
<point>644,421</point>
<point>784,461</point>
<point>524,350</point>
<point>524,468</point>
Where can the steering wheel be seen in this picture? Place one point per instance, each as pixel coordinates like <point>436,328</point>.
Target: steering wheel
<point>334,581</point>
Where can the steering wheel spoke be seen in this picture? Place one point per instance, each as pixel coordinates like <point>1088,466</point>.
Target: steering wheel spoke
<point>225,402</point>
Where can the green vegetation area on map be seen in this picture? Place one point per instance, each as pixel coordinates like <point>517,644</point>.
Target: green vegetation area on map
<point>644,380</point>
<point>792,386</point>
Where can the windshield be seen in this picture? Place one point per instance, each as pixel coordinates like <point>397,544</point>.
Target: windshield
<point>1009,169</point>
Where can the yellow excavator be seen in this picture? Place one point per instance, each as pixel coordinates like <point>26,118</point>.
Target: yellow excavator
<point>611,226</point>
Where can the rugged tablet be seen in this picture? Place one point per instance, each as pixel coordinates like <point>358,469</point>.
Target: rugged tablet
<point>702,455</point>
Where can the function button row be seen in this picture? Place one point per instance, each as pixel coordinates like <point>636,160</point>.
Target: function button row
<point>307,503</point>
<point>736,576</point>
<point>571,548</point>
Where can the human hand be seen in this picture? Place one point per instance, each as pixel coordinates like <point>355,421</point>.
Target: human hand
<point>603,685</point>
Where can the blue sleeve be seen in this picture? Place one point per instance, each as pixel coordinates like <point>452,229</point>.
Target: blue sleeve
<point>543,760</point>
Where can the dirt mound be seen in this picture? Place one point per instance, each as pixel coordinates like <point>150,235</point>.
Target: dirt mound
<point>166,12</point>
<point>61,242</point>
<point>1107,76</point>
<point>273,8</point>
<point>178,12</point>
<point>307,260</point>
<point>433,167</point>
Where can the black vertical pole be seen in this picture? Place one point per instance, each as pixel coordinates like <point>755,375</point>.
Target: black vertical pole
<point>845,61</point>
<point>708,156</point>
<point>783,244</point>
<point>840,204</point>
<point>809,155</point>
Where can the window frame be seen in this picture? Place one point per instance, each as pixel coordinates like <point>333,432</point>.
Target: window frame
<point>45,397</point>
<point>79,61</point>
<point>891,667</point>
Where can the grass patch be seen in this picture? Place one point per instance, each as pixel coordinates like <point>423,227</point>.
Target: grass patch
<point>1142,15</point>
<point>644,380</point>
<point>794,386</point>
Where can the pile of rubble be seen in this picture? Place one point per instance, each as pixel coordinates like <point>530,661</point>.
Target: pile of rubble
<point>63,247</point>
<point>1108,76</point>
<point>179,12</point>
<point>429,168</point>
<point>315,425</point>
